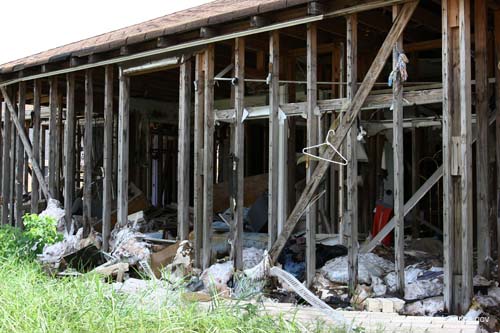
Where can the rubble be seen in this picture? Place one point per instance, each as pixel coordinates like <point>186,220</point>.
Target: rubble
<point>126,246</point>
<point>369,265</point>
<point>426,307</point>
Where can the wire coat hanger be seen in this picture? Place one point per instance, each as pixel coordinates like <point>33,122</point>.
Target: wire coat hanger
<point>326,143</point>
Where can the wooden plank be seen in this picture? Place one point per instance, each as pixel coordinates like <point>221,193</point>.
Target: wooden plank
<point>448,217</point>
<point>184,153</point>
<point>1,154</point>
<point>25,141</point>
<point>198,158</point>
<point>108,157</point>
<point>69,150</point>
<point>311,140</point>
<point>351,224</point>
<point>482,110</point>
<point>466,153</point>
<point>408,206</point>
<point>397,144</point>
<point>123,142</point>
<point>36,144</point>
<point>53,135</point>
<point>351,113</point>
<point>20,158</point>
<point>272,215</point>
<point>87,152</point>
<point>497,125</point>
<point>59,143</point>
<point>208,153</point>
<point>12,166</point>
<point>239,151</point>
<point>6,162</point>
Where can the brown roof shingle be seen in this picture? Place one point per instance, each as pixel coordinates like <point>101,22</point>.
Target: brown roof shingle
<point>214,12</point>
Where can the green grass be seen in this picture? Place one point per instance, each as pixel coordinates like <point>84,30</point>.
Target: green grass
<point>30,301</point>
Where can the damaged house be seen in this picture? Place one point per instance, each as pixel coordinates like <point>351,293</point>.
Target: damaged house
<point>321,131</point>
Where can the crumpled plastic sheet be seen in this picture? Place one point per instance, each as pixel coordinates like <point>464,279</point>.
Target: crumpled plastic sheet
<point>419,283</point>
<point>427,307</point>
<point>125,245</point>
<point>54,209</point>
<point>369,264</point>
<point>53,253</point>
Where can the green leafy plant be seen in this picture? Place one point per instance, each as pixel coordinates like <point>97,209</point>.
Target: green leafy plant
<point>40,231</point>
<point>13,242</point>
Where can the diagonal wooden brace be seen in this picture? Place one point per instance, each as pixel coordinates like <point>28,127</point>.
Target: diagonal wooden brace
<point>26,143</point>
<point>351,112</point>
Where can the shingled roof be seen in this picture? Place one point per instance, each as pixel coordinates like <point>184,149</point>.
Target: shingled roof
<point>214,12</point>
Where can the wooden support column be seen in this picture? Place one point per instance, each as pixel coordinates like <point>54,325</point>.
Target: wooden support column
<point>457,161</point>
<point>53,135</point>
<point>69,149</point>
<point>6,165</point>
<point>208,154</point>
<point>272,215</point>
<point>20,158</point>
<point>1,154</point>
<point>352,167</point>
<point>13,157</point>
<point>351,110</point>
<point>238,152</point>
<point>198,157</point>
<point>123,140</point>
<point>184,154</point>
<point>397,145</point>
<point>59,143</point>
<point>36,144</point>
<point>312,139</point>
<point>482,110</point>
<point>108,156</point>
<point>87,152</point>
<point>497,125</point>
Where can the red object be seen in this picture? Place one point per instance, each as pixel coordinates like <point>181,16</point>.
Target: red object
<point>382,216</point>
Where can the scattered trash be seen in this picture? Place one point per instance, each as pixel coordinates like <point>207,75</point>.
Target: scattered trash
<point>54,209</point>
<point>182,264</point>
<point>369,265</point>
<point>426,307</point>
<point>218,276</point>
<point>126,246</point>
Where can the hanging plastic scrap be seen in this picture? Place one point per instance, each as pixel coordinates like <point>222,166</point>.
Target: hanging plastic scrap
<point>400,68</point>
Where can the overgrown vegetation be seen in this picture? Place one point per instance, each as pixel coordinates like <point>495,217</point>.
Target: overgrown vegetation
<point>31,301</point>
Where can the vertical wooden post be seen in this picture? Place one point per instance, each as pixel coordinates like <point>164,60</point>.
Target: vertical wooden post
<point>312,139</point>
<point>69,149</point>
<point>59,143</point>
<point>457,159</point>
<point>352,168</point>
<point>283,167</point>
<point>123,140</point>
<point>6,164</point>
<point>272,215</point>
<point>13,157</point>
<point>36,145</point>
<point>108,156</point>
<point>198,157</point>
<point>184,153</point>
<point>482,110</point>
<point>20,158</point>
<point>1,154</point>
<point>208,154</point>
<point>53,136</point>
<point>397,145</point>
<point>87,152</point>
<point>497,125</point>
<point>239,151</point>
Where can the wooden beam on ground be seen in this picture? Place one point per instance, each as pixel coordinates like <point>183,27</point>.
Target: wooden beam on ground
<point>36,144</point>
<point>69,150</point>
<point>184,153</point>
<point>351,113</point>
<point>239,151</point>
<point>108,157</point>
<point>272,216</point>
<point>123,142</point>
<point>208,153</point>
<point>312,140</point>
<point>20,157</point>
<point>25,141</point>
<point>398,151</point>
<point>6,162</point>
<point>482,109</point>
<point>198,158</point>
<point>53,135</point>
<point>87,152</point>
<point>351,225</point>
